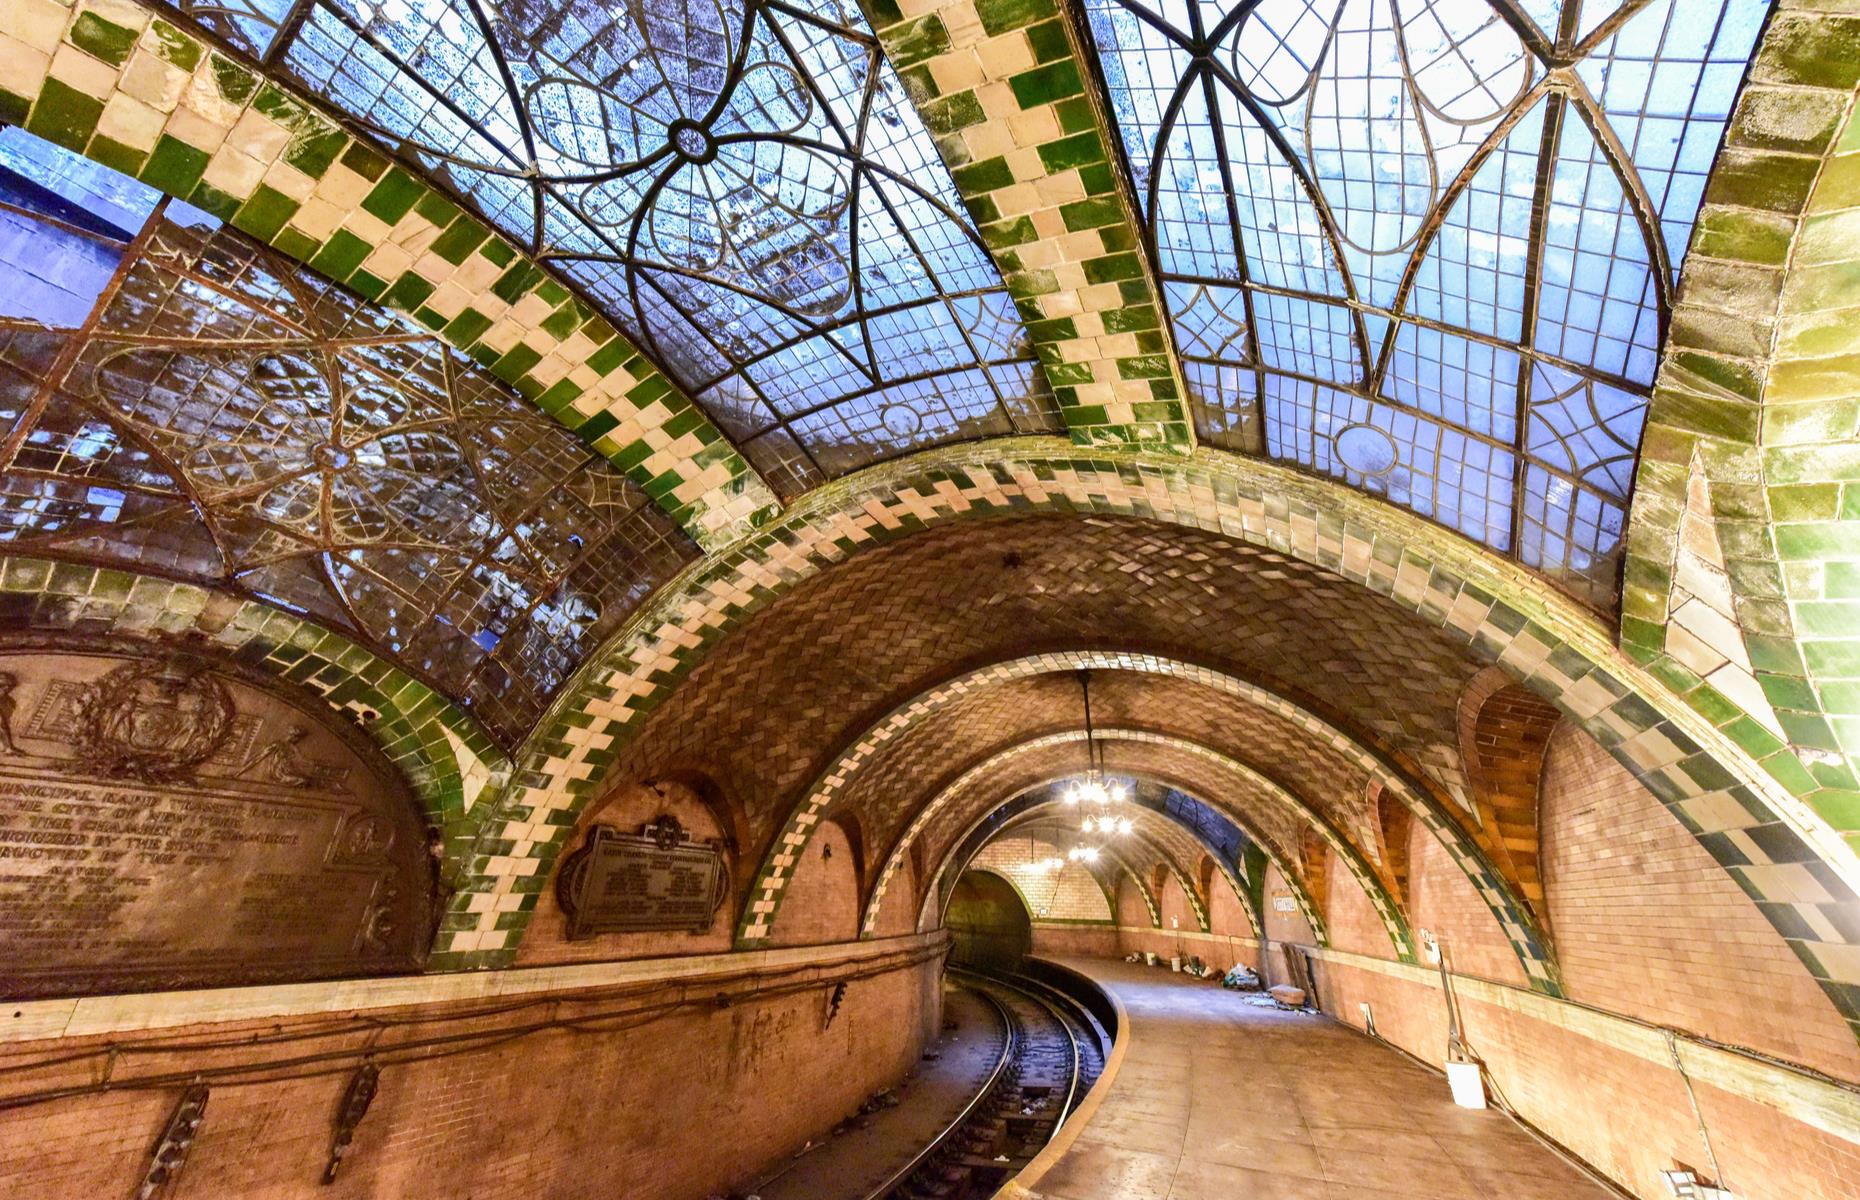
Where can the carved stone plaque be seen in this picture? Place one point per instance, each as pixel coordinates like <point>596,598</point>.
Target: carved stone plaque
<point>169,821</point>
<point>658,879</point>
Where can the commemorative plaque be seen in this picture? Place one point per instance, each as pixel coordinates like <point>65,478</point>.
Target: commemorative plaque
<point>170,821</point>
<point>659,879</point>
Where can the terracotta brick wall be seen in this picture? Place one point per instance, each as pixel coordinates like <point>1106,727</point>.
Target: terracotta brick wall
<point>1177,912</point>
<point>1131,910</point>
<point>672,1110</point>
<point>1625,1115</point>
<point>1444,902</point>
<point>1353,922</point>
<point>897,912</point>
<point>822,901</point>
<point>1645,923</point>
<point>1076,941</point>
<point>1226,915</point>
<point>1067,894</point>
<point>1283,926</point>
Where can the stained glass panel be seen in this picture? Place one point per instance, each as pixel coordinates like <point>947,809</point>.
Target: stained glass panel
<point>218,415</point>
<point>741,184</point>
<point>1447,260</point>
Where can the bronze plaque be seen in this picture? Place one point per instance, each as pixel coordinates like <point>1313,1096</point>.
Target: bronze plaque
<point>169,821</point>
<point>658,879</point>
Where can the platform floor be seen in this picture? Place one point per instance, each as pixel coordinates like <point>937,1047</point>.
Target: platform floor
<point>1220,1099</point>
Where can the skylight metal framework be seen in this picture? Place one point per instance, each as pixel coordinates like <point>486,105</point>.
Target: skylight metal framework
<point>178,400</point>
<point>741,184</point>
<point>1429,246</point>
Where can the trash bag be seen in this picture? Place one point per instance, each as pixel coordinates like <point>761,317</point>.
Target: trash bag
<point>1240,979</point>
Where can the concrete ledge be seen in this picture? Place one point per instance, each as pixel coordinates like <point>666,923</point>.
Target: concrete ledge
<point>1020,1187</point>
<point>90,1016</point>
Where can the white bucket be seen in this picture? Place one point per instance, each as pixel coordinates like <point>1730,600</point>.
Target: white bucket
<point>1175,963</point>
<point>1467,1084</point>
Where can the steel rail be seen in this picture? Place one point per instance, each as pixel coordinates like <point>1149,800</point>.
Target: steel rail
<point>1010,1053</point>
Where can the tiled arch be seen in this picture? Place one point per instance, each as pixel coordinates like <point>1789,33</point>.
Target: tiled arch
<point>1145,834</point>
<point>1513,917</point>
<point>448,762</point>
<point>1781,852</point>
<point>1352,857</point>
<point>949,861</point>
<point>114,80</point>
<point>1742,583</point>
<point>868,923</point>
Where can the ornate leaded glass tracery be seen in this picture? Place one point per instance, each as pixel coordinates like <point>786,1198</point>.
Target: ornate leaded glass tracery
<point>742,184</point>
<point>176,398</point>
<point>1429,246</point>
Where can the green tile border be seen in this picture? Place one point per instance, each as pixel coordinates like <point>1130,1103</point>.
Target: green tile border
<point>1758,400</point>
<point>1007,98</point>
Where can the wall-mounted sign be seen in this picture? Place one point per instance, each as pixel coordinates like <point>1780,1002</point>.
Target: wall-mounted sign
<point>171,820</point>
<point>1283,902</point>
<point>659,879</point>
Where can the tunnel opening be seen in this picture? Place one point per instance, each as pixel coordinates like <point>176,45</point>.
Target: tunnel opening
<point>989,926</point>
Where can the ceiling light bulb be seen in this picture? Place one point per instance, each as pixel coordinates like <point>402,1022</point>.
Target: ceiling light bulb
<point>1124,825</point>
<point>1091,854</point>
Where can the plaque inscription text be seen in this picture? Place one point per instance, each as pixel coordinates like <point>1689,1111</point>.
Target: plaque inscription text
<point>164,824</point>
<point>658,879</point>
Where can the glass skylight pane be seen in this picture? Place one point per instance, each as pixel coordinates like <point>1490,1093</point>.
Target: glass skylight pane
<point>764,178</point>
<point>1390,108</point>
<point>1598,304</point>
<point>1225,400</point>
<point>1667,80</point>
<point>1367,147</point>
<point>1210,321</point>
<point>1285,239</point>
<point>1438,472</point>
<point>1306,338</point>
<point>1474,273</point>
<point>1194,230</point>
<point>993,325</point>
<point>880,424</point>
<point>1470,384</point>
<point>1571,534</point>
<point>37,175</point>
<point>1586,429</point>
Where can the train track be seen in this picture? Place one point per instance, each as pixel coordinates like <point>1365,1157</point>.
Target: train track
<point>1052,1053</point>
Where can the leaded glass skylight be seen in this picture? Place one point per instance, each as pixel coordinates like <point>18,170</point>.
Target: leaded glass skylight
<point>1428,246</point>
<point>741,184</point>
<point>176,399</point>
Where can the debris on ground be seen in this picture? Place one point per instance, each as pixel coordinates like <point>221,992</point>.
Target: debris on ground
<point>1240,979</point>
<point>1287,996</point>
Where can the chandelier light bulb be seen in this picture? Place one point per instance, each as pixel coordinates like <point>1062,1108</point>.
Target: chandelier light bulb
<point>1117,792</point>
<point>1124,825</point>
<point>1072,794</point>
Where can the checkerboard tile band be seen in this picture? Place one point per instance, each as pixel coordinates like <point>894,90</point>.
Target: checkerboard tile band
<point>1504,614</point>
<point>1005,93</point>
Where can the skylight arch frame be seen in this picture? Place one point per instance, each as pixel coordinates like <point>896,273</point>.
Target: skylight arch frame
<point>977,353</point>
<point>1169,59</point>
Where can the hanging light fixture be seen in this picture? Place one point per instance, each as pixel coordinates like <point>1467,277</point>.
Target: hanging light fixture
<point>1092,788</point>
